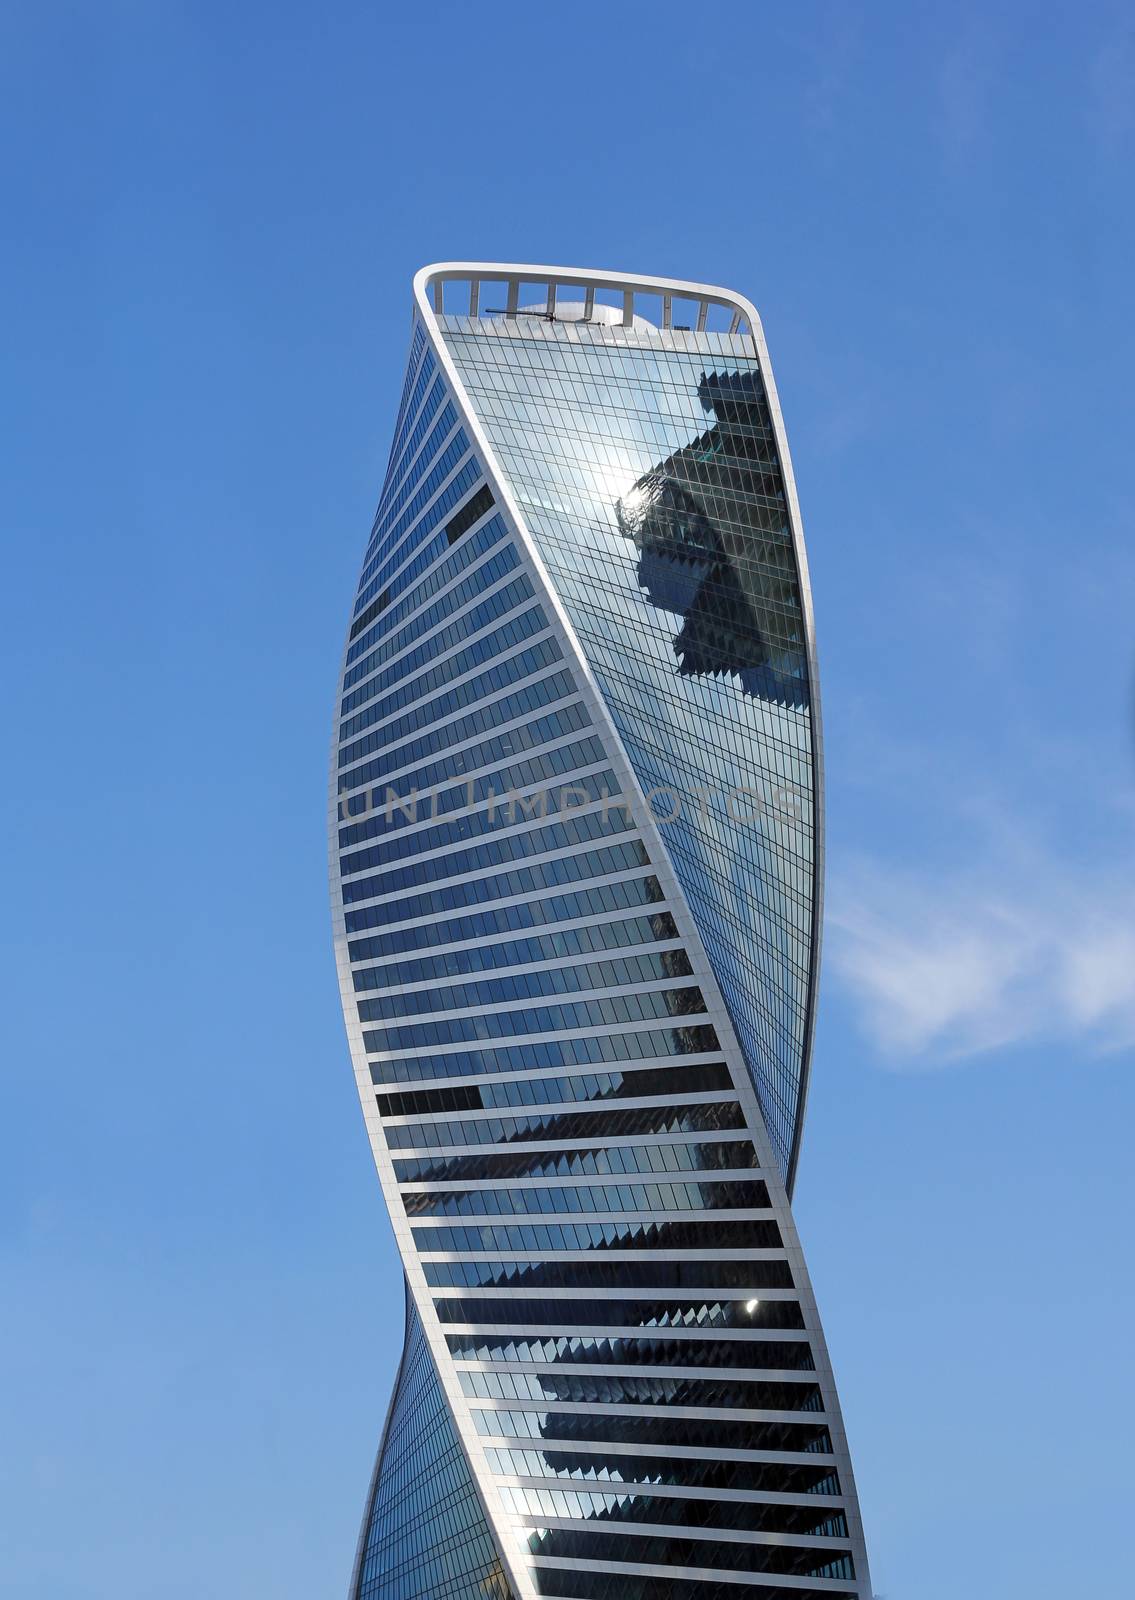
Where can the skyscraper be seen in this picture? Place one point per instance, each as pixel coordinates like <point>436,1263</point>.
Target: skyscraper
<point>576,830</point>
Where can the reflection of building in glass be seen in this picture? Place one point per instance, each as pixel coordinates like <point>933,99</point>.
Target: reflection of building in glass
<point>581,1034</point>
<point>711,526</point>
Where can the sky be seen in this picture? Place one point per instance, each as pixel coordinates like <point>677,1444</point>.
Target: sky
<point>213,214</point>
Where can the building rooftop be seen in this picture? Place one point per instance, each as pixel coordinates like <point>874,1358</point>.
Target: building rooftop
<point>571,294</point>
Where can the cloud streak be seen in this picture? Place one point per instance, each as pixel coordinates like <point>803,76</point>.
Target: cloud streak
<point>951,964</point>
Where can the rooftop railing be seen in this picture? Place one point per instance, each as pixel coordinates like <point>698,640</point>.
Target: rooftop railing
<point>490,290</point>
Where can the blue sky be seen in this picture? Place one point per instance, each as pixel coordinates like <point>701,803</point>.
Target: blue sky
<point>213,215</point>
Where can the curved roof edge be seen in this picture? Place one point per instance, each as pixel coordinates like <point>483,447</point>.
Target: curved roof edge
<point>430,280</point>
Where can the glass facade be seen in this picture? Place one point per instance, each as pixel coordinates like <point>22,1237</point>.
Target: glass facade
<point>426,1537</point>
<point>650,481</point>
<point>575,834</point>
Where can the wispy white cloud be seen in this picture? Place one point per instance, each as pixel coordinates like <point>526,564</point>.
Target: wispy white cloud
<point>988,900</point>
<point>834,47</point>
<point>1111,86</point>
<point>966,91</point>
<point>955,963</point>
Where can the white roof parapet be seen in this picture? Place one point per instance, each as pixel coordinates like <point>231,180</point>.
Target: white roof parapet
<point>429,287</point>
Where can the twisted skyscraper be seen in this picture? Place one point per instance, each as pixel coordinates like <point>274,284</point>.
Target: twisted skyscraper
<point>576,871</point>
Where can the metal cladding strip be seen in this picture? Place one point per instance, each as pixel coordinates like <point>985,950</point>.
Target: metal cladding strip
<point>508,1526</point>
